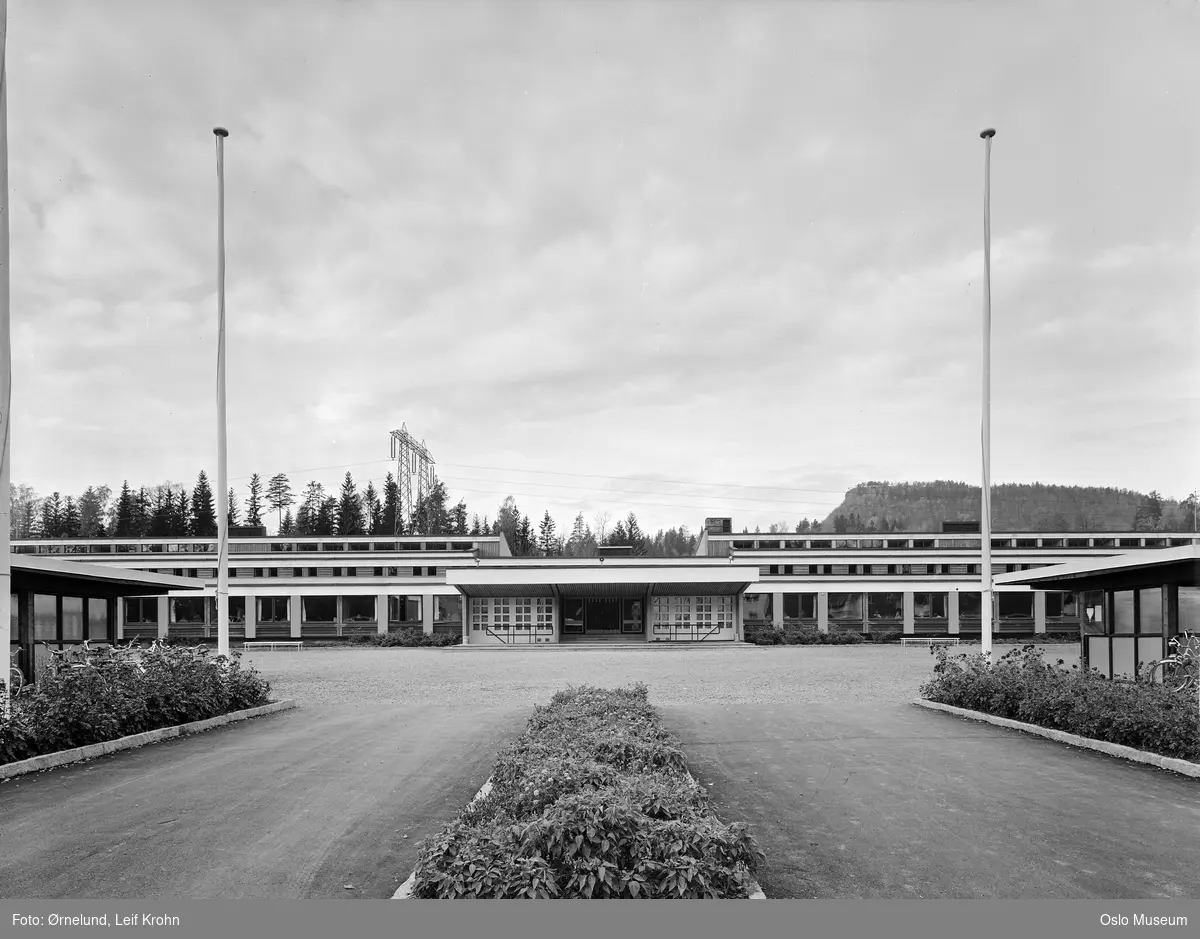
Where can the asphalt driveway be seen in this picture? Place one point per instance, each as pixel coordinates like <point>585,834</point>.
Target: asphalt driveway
<point>855,800</point>
<point>296,804</point>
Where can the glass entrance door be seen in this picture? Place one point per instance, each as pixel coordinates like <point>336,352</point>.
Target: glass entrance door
<point>602,616</point>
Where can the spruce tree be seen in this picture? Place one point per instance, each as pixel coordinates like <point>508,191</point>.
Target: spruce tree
<point>124,520</point>
<point>181,521</point>
<point>287,526</point>
<point>254,505</point>
<point>231,512</point>
<point>349,510</point>
<point>372,510</point>
<point>70,519</point>
<point>547,542</point>
<point>204,514</point>
<point>392,523</point>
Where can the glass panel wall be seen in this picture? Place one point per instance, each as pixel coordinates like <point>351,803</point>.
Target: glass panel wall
<point>885,605</point>
<point>358,609</point>
<point>45,618</point>
<point>846,607</point>
<point>1122,611</point>
<point>1150,610</point>
<point>404,609</point>
<point>318,609</point>
<point>97,620</point>
<point>447,610</point>
<point>72,611</point>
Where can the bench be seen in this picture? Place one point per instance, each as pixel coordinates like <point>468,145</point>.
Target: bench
<point>929,641</point>
<point>273,645</point>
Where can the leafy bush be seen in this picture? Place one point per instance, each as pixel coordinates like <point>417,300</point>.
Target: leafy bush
<point>1021,686</point>
<point>113,697</point>
<point>409,638</point>
<point>793,635</point>
<point>593,800</point>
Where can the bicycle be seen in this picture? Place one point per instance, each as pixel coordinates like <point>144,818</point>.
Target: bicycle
<point>1183,663</point>
<point>16,677</point>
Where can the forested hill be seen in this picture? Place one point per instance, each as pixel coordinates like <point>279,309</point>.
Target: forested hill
<point>923,506</point>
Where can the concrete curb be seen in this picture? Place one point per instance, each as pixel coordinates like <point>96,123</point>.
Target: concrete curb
<point>1184,767</point>
<point>404,891</point>
<point>91,751</point>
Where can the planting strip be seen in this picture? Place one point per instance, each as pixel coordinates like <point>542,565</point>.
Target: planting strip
<point>1185,767</point>
<point>91,751</point>
<point>404,891</point>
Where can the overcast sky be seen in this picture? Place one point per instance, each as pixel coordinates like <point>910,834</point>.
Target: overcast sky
<point>621,255</point>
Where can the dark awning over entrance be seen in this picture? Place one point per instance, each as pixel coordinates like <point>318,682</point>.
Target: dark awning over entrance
<point>594,580</point>
<point>75,578</point>
<point>1180,566</point>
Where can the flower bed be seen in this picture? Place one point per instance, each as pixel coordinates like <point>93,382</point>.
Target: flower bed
<point>1153,717</point>
<point>117,695</point>
<point>767,635</point>
<point>593,800</point>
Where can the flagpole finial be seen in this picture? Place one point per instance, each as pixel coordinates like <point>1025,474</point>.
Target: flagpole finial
<point>990,132</point>
<point>222,132</point>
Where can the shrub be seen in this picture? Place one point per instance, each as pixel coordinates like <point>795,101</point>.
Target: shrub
<point>1021,686</point>
<point>593,800</point>
<point>409,638</point>
<point>113,698</point>
<point>797,635</point>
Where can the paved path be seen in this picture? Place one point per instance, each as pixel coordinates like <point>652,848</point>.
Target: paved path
<point>857,800</point>
<point>296,804</point>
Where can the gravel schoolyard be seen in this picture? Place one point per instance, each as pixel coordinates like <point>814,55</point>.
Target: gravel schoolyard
<point>487,678</point>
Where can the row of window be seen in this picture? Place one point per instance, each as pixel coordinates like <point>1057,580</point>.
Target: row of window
<point>1138,612</point>
<point>901,570</point>
<point>718,548</point>
<point>849,607</point>
<point>143,611</point>
<point>77,619</point>
<point>243,547</point>
<point>249,572</point>
<point>715,612</point>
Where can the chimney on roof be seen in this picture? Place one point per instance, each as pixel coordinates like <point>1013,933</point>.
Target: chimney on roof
<point>718,526</point>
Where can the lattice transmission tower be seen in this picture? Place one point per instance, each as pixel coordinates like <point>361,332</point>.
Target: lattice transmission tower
<point>414,468</point>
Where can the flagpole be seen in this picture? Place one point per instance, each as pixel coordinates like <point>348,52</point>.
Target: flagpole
<point>985,527</point>
<point>5,366</point>
<point>222,482</point>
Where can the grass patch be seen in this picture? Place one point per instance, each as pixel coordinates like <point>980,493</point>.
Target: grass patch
<point>1153,717</point>
<point>593,800</point>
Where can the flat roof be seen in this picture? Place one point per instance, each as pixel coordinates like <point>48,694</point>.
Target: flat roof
<point>58,575</point>
<point>1178,564</point>
<point>590,577</point>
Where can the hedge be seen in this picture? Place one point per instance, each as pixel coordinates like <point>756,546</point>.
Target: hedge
<point>593,800</point>
<point>408,638</point>
<point>767,635</point>
<point>1154,717</point>
<point>114,697</point>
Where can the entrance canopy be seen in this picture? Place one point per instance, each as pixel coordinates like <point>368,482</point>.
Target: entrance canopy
<point>1179,566</point>
<point>590,577</point>
<point>73,578</point>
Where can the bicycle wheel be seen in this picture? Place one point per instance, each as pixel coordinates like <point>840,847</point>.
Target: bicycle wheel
<point>16,680</point>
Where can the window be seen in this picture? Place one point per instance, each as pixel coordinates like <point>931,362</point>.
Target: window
<point>237,611</point>
<point>416,572</point>
<point>431,572</point>
<point>1123,611</point>
<point>1093,612</point>
<point>846,607</point>
<point>757,607</point>
<point>273,610</point>
<point>545,613</point>
<point>523,612</point>
<point>98,619</point>
<point>258,572</point>
<point>189,610</point>
<point>970,604</point>
<point>885,605</point>
<point>479,613</point>
<point>1060,603</point>
<point>1015,605</point>
<point>799,606</point>
<point>1150,610</point>
<point>449,609</point>
<point>930,605</point>
<point>378,571</point>
<point>318,609</point>
<point>404,609</point>
<point>502,611</point>
<point>72,618</point>
<point>1189,609</point>
<point>358,609</point>
<point>139,611</point>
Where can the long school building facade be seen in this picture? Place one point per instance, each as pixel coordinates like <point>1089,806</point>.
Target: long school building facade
<point>327,588</point>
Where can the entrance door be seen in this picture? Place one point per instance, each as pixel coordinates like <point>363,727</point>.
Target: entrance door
<point>602,617</point>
